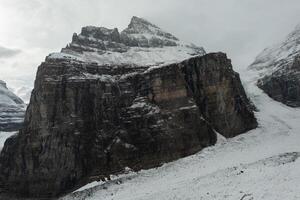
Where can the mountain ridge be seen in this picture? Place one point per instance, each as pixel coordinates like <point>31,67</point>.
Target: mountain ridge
<point>279,70</point>
<point>141,43</point>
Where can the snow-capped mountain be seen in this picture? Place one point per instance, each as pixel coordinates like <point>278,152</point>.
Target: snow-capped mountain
<point>141,43</point>
<point>12,109</point>
<point>111,100</point>
<point>279,70</point>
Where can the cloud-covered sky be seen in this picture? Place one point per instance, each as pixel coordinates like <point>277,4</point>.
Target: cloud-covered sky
<point>7,53</point>
<point>32,29</point>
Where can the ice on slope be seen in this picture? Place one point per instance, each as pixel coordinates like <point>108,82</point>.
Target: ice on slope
<point>261,164</point>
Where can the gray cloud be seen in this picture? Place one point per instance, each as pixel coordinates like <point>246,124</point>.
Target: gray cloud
<point>7,53</point>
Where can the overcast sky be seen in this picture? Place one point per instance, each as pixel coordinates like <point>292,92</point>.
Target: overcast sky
<point>31,29</point>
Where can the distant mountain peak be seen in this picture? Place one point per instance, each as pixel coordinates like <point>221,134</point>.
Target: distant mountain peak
<point>141,26</point>
<point>141,43</point>
<point>137,21</point>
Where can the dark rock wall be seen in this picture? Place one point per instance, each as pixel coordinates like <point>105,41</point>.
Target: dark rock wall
<point>79,126</point>
<point>284,88</point>
<point>219,94</point>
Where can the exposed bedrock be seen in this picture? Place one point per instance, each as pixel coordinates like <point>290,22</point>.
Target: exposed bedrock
<point>86,120</point>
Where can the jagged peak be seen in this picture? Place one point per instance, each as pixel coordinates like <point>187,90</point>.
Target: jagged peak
<point>142,26</point>
<point>139,24</point>
<point>97,32</point>
<point>139,20</point>
<point>141,43</point>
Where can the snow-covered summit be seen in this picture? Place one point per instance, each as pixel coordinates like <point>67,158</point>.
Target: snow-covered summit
<point>279,56</point>
<point>142,26</point>
<point>141,43</point>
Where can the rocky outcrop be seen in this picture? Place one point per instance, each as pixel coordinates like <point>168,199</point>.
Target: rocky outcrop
<point>279,67</point>
<point>12,109</point>
<point>88,119</point>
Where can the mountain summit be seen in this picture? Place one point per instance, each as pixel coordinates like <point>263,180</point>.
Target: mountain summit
<point>141,43</point>
<point>142,26</point>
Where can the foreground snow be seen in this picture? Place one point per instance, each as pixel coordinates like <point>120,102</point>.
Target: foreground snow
<point>261,164</point>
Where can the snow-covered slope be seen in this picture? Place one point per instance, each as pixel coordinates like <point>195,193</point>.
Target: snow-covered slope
<point>261,164</point>
<point>12,109</point>
<point>278,56</point>
<point>142,44</point>
<point>279,70</point>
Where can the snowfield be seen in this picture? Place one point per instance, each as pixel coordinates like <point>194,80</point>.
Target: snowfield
<point>262,164</point>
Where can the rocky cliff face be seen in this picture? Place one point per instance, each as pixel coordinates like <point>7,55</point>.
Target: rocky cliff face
<point>12,109</point>
<point>279,67</point>
<point>91,117</point>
